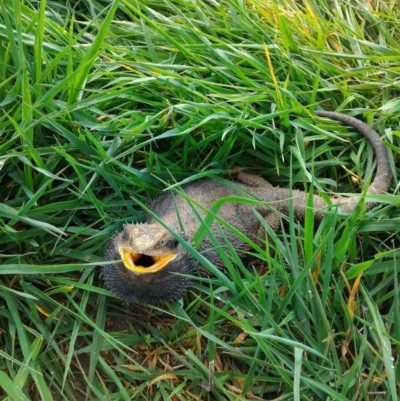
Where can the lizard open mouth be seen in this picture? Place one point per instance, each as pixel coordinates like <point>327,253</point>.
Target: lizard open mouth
<point>141,263</point>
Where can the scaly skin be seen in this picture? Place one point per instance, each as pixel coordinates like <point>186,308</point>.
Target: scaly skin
<point>153,280</point>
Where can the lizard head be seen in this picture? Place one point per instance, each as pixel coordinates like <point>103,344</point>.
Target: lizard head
<point>149,258</point>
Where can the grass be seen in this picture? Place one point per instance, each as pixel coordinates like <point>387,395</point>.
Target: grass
<point>104,104</point>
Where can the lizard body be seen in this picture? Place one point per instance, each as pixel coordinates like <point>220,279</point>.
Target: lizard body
<point>151,255</point>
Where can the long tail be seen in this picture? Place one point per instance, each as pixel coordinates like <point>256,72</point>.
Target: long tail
<point>383,177</point>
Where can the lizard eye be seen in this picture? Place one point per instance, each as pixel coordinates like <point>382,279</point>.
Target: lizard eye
<point>169,243</point>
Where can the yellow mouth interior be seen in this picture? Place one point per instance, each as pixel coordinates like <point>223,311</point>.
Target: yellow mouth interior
<point>129,259</point>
